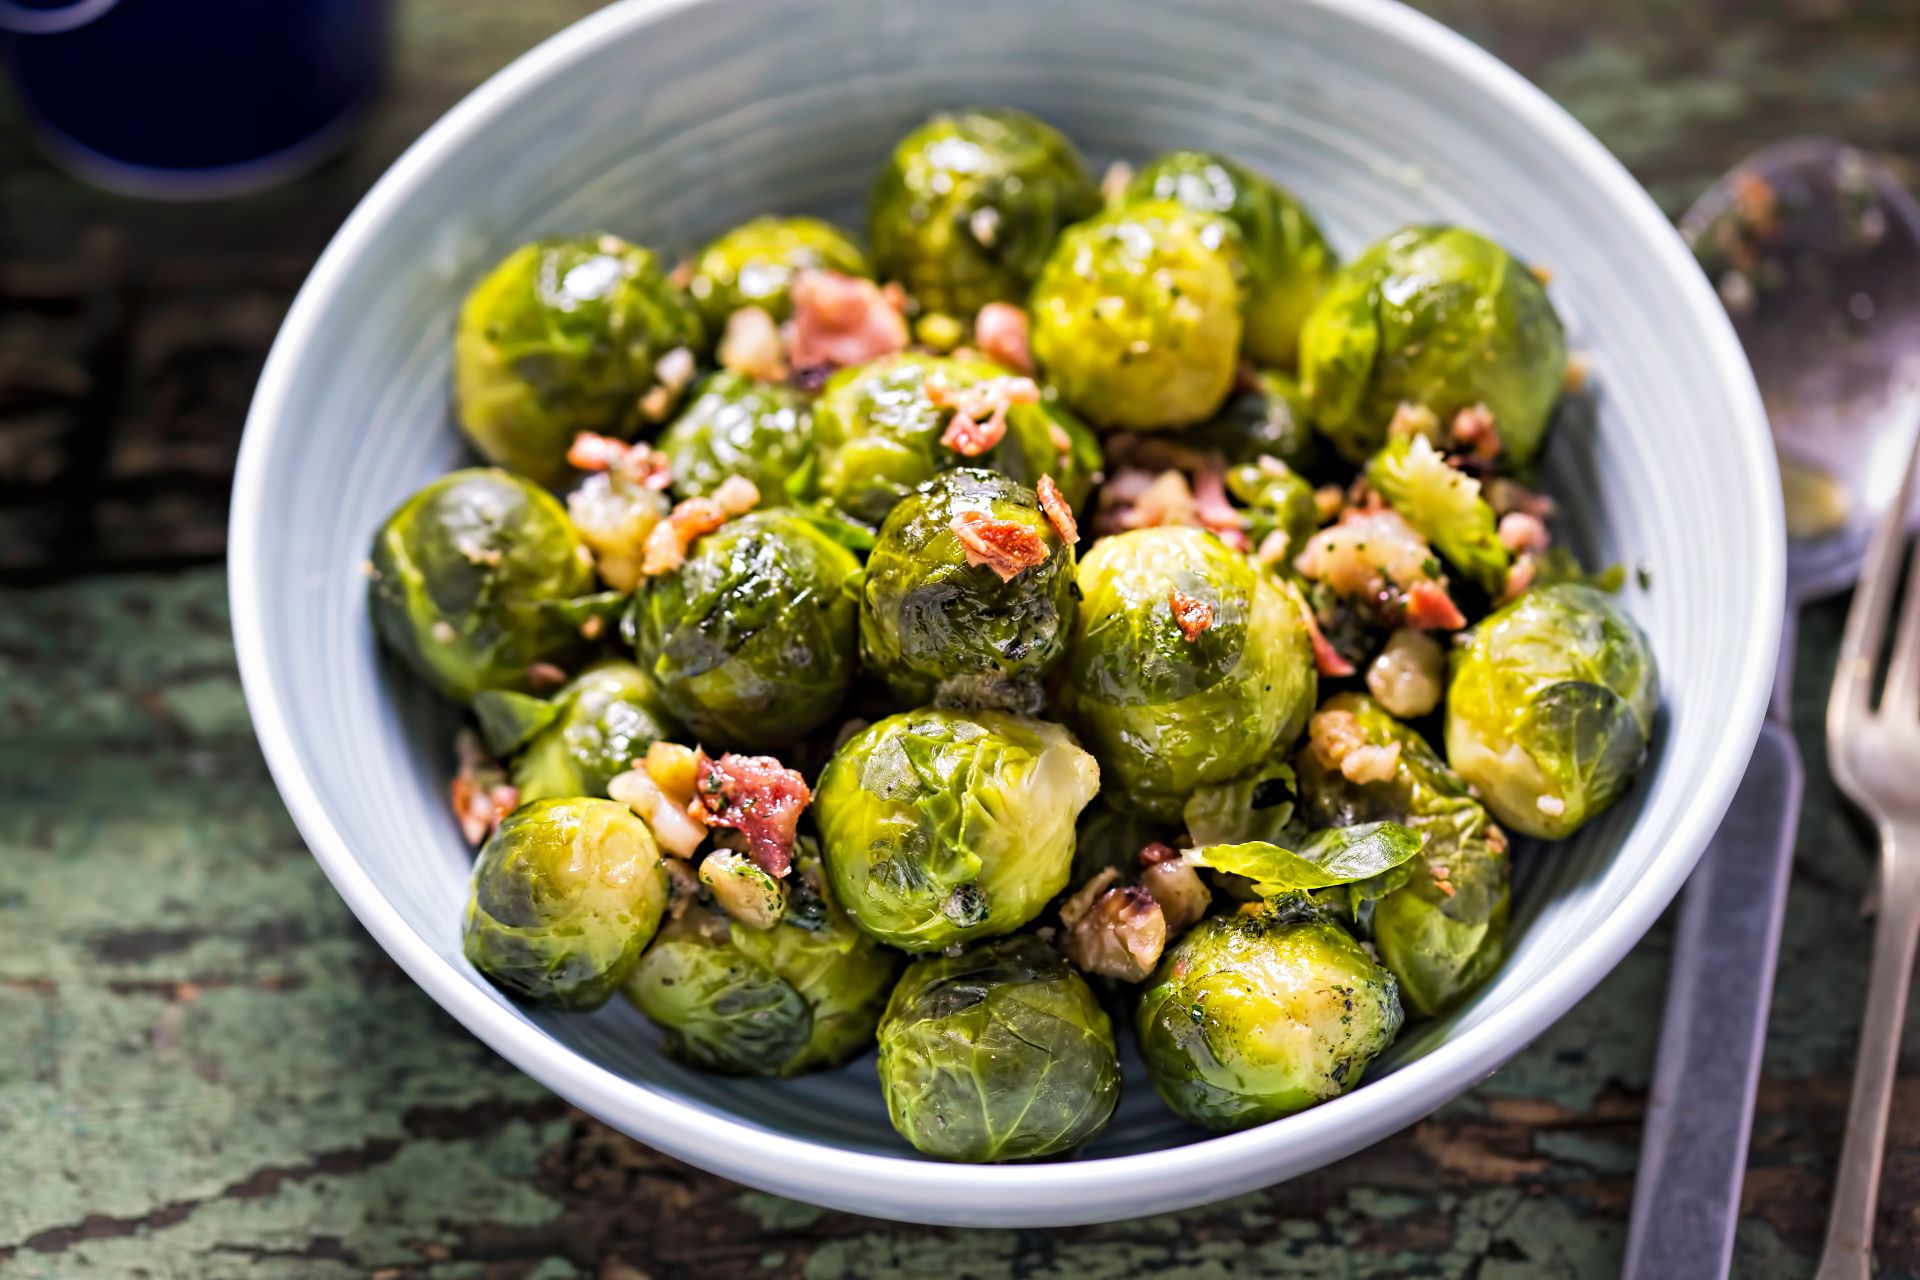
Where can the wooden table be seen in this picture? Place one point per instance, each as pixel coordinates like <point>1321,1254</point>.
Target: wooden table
<point>207,1069</point>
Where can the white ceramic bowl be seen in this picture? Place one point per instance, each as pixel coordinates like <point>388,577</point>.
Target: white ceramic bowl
<point>666,121</point>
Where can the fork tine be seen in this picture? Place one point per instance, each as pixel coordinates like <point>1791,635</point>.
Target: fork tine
<point>1903,670</point>
<point>1872,601</point>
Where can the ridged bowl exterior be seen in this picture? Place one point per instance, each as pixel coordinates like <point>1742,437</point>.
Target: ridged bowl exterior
<point>666,121</point>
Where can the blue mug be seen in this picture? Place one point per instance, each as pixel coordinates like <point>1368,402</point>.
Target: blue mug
<point>193,98</point>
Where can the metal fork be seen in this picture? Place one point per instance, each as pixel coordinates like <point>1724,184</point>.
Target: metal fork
<point>1875,755</point>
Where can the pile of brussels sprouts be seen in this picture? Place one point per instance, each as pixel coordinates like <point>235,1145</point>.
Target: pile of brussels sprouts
<point>1091,601</point>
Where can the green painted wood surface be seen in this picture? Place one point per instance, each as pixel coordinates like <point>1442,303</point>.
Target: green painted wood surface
<point>207,1069</point>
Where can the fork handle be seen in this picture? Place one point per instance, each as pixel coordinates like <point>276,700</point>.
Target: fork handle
<point>1849,1248</point>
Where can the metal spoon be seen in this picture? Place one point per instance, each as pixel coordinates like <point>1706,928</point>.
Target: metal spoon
<point>1815,249</point>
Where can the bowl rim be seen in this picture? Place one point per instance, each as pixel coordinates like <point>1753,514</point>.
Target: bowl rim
<point>1071,1192</point>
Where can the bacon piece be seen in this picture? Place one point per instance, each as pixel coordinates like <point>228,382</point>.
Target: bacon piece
<point>1192,615</point>
<point>843,320</point>
<point>1430,608</point>
<point>1519,578</point>
<point>544,676</point>
<point>1326,659</point>
<point>737,495</point>
<point>666,548</point>
<point>1520,532</point>
<point>643,464</point>
<point>760,798</point>
<point>979,411</point>
<point>1004,546</point>
<point>1059,514</point>
<point>1505,495</point>
<point>1473,430</point>
<point>751,346</point>
<point>1156,852</point>
<point>1215,512</point>
<point>479,794</point>
<point>1000,331</point>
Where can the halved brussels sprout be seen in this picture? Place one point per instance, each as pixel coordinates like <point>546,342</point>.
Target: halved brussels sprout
<point>1445,933</point>
<point>1167,705</point>
<point>1268,419</point>
<point>1550,706</point>
<point>753,265</point>
<point>803,995</point>
<point>1444,504</point>
<point>998,1053</point>
<point>566,336</point>
<point>1288,261</point>
<point>476,578</point>
<point>1254,1017</point>
<point>1278,499</point>
<point>1136,317</point>
<point>566,894</point>
<point>943,826</point>
<point>1435,317</point>
<point>739,426</point>
<point>597,725</point>
<point>969,203</point>
<point>750,641</point>
<point>877,434</point>
<point>940,621</point>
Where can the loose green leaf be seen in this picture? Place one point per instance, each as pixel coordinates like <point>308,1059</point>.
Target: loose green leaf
<point>509,719</point>
<point>1367,853</point>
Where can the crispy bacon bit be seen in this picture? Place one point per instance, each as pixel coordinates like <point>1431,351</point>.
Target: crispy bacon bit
<point>1193,616</point>
<point>1505,495</point>
<point>1157,852</point>
<point>1216,514</point>
<point>1496,839</point>
<point>1519,578</point>
<point>1327,500</point>
<point>642,464</point>
<point>479,793</point>
<point>737,495</point>
<point>1522,532</point>
<point>979,411</point>
<point>1005,546</point>
<point>751,346</point>
<point>1440,880</point>
<point>544,675</point>
<point>1366,547</point>
<point>758,797</point>
<point>1000,331</point>
<point>1118,931</point>
<point>666,548</point>
<point>592,626</point>
<point>843,320</point>
<point>1430,608</point>
<point>1326,659</point>
<point>1473,430</point>
<point>1059,514</point>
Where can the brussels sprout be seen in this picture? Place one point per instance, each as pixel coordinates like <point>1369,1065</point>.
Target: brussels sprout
<point>940,623</point>
<point>1136,317</point>
<point>1288,261</point>
<point>566,336</point>
<point>1445,505</point>
<point>475,579</point>
<point>943,826</point>
<point>1445,932</point>
<point>1164,713</point>
<point>566,895</point>
<point>877,433</point>
<point>1435,317</point>
<point>1279,500</point>
<point>1259,805</point>
<point>1550,706</point>
<point>753,265</point>
<point>999,1053</point>
<point>739,426</point>
<point>802,995</point>
<point>969,203</point>
<point>1268,419</point>
<point>750,641</point>
<point>742,889</point>
<point>596,726</point>
<point>1253,1017</point>
<point>615,513</point>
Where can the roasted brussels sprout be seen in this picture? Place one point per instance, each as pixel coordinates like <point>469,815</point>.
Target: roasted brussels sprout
<point>566,336</point>
<point>566,895</point>
<point>1187,666</point>
<point>597,725</point>
<point>739,426</point>
<point>1288,261</point>
<point>750,641</point>
<point>1277,500</point>
<point>943,826</point>
<point>1550,706</point>
<point>969,203</point>
<point>1439,318</point>
<point>1262,804</point>
<point>1253,1017</point>
<point>999,1053</point>
<point>1136,317</point>
<point>950,612</point>
<point>753,265</point>
<point>475,579</point>
<point>1268,419</point>
<point>1444,504</point>
<point>802,995</point>
<point>878,435</point>
<point>1445,932</point>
